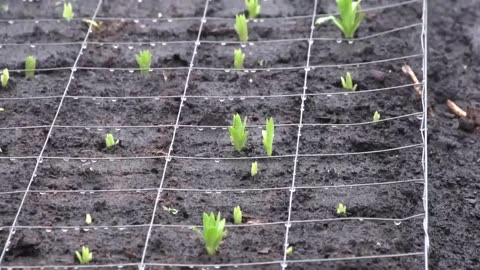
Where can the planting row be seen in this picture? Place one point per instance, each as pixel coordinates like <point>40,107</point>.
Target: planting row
<point>185,207</point>
<point>73,174</point>
<point>241,245</point>
<point>215,142</point>
<point>257,55</point>
<point>164,30</point>
<point>33,9</point>
<point>105,83</point>
<point>336,109</point>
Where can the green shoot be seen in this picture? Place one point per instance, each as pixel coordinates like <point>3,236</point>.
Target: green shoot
<point>237,215</point>
<point>238,135</point>
<point>268,136</point>
<point>88,219</point>
<point>376,116</point>
<point>289,250</point>
<point>253,8</point>
<point>238,57</point>
<point>347,82</point>
<point>4,7</point>
<point>241,27</point>
<point>350,17</point>
<point>68,11</point>
<point>30,65</point>
<point>110,140</point>
<point>85,256</point>
<point>144,60</point>
<point>93,23</point>
<point>254,169</point>
<point>172,211</point>
<point>5,77</point>
<point>341,209</point>
<point>213,232</point>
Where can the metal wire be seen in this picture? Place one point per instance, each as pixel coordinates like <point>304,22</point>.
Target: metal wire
<point>386,119</point>
<point>156,19</point>
<point>228,225</point>
<point>170,149</point>
<point>208,190</point>
<point>233,69</point>
<point>424,39</point>
<point>10,234</point>
<point>221,42</point>
<point>295,161</point>
<point>218,159</point>
<point>203,266</point>
<point>230,97</point>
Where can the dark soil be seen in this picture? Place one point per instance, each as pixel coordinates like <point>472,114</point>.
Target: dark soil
<point>56,196</point>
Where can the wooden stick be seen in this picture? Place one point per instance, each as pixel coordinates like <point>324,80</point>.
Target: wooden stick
<point>455,109</point>
<point>408,70</point>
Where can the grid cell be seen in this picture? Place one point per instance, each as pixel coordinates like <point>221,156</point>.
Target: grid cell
<point>121,112</point>
<point>69,209</point>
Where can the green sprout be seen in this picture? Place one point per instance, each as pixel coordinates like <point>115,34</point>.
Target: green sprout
<point>341,209</point>
<point>268,136</point>
<point>376,116</point>
<point>347,82</point>
<point>30,65</point>
<point>254,169</point>
<point>241,27</point>
<point>238,135</point>
<point>289,250</point>
<point>213,232</point>
<point>68,11</point>
<point>144,60</point>
<point>88,219</point>
<point>110,140</point>
<point>237,215</point>
<point>5,77</point>
<point>350,17</point>
<point>253,8</point>
<point>238,57</point>
<point>172,211</point>
<point>85,256</point>
<point>92,23</point>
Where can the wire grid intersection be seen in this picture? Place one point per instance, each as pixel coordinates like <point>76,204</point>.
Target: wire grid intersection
<point>168,157</point>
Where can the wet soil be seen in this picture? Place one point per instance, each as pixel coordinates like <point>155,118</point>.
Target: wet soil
<point>55,197</point>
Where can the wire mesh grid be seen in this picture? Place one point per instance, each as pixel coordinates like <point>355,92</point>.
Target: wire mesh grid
<point>169,156</point>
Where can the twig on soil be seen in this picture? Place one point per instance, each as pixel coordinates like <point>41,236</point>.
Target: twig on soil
<point>455,109</point>
<point>408,70</point>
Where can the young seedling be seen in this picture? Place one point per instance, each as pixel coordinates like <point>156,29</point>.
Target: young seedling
<point>238,135</point>
<point>237,215</point>
<point>350,17</point>
<point>238,57</point>
<point>341,209</point>
<point>254,169</point>
<point>144,60</point>
<point>289,250</point>
<point>85,256</point>
<point>88,219</point>
<point>268,136</point>
<point>347,82</point>
<point>30,65</point>
<point>213,232</point>
<point>68,11</point>
<point>376,116</point>
<point>241,27</point>
<point>253,8</point>
<point>93,23</point>
<point>5,77</point>
<point>110,140</point>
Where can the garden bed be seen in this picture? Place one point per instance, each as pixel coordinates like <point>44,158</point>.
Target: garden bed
<point>175,147</point>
